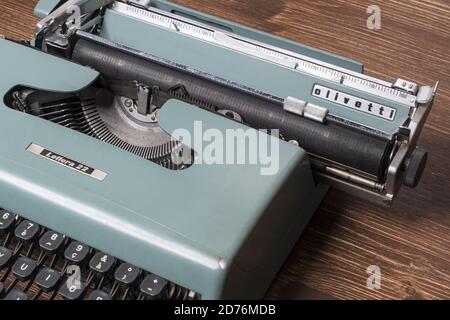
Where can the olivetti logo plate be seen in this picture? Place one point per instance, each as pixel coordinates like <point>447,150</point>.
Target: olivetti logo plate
<point>353,102</point>
<point>66,162</point>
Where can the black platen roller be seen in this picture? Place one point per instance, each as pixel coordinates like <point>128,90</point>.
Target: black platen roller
<point>333,141</point>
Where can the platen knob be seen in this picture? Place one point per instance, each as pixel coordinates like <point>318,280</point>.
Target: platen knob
<point>414,167</point>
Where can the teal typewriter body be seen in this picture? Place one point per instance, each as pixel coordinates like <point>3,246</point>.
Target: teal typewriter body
<point>220,231</point>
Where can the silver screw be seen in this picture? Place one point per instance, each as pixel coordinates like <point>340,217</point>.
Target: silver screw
<point>128,103</point>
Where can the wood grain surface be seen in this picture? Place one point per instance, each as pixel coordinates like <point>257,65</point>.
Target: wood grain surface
<point>410,242</point>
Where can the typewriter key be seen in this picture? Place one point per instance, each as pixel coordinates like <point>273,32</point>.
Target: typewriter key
<point>102,263</point>
<point>16,295</point>
<point>26,231</point>
<point>126,274</point>
<point>5,257</point>
<point>99,295</point>
<point>24,268</point>
<point>47,279</point>
<point>7,220</point>
<point>72,291</point>
<point>77,253</point>
<point>51,241</point>
<point>153,287</point>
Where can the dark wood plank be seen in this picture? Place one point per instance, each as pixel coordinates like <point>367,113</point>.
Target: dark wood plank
<point>16,19</point>
<point>410,241</point>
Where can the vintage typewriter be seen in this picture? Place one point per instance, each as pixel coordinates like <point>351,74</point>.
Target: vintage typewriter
<point>96,204</point>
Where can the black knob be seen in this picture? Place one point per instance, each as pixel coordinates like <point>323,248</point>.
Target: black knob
<point>415,166</point>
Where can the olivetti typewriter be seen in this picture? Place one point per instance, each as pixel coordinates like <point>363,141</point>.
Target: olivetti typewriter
<point>96,202</point>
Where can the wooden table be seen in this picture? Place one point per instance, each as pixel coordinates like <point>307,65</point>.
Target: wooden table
<point>410,242</point>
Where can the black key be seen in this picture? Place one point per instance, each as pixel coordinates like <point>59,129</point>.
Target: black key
<point>7,220</point>
<point>5,257</point>
<point>72,291</point>
<point>51,241</point>
<point>16,295</point>
<point>127,274</point>
<point>47,279</point>
<point>153,286</point>
<point>26,231</point>
<point>77,252</point>
<point>24,268</point>
<point>102,263</point>
<point>99,295</point>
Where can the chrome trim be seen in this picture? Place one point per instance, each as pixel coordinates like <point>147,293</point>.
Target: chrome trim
<point>268,52</point>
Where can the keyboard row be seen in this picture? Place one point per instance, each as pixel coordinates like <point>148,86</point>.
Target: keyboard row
<point>40,264</point>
